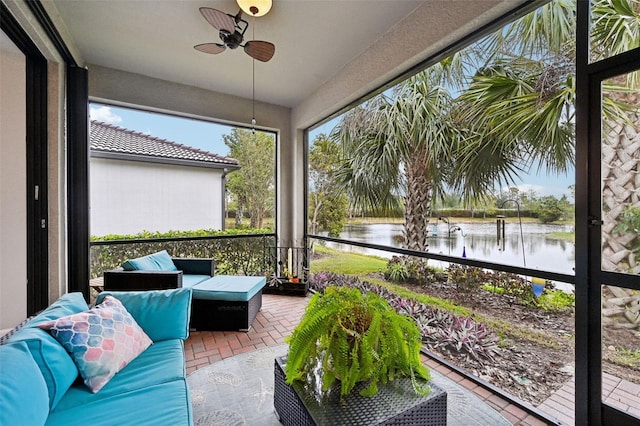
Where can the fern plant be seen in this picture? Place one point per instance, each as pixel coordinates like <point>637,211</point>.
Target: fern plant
<point>355,337</point>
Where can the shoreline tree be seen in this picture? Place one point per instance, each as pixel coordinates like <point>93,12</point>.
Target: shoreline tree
<point>252,185</point>
<point>328,206</point>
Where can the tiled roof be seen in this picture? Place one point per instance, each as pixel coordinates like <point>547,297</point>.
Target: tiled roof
<point>113,139</point>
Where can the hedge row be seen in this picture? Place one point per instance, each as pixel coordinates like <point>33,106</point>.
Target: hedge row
<point>240,255</point>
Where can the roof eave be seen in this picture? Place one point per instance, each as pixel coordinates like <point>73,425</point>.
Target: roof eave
<point>161,160</point>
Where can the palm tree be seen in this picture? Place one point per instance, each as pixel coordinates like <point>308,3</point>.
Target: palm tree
<point>515,113</point>
<point>398,147</point>
<point>419,140</point>
<point>518,107</point>
<point>524,101</point>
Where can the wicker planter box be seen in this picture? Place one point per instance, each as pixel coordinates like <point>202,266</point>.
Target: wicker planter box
<point>395,404</point>
<point>287,288</point>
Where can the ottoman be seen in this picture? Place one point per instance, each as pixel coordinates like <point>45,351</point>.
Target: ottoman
<point>226,302</point>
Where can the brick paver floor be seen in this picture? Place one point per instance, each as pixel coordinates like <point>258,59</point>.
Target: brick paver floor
<point>617,392</point>
<point>280,314</point>
<point>276,320</point>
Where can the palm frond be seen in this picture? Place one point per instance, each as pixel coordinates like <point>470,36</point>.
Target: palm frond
<point>615,28</point>
<point>546,29</point>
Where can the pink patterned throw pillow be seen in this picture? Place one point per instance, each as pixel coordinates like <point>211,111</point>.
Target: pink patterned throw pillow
<point>101,341</point>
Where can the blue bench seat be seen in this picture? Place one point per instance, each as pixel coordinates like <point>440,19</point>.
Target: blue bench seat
<point>226,302</point>
<point>191,280</point>
<point>228,287</point>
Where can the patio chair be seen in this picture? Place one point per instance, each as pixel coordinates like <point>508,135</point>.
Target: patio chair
<point>158,271</point>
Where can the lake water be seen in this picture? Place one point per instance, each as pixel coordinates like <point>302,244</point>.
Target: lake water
<point>479,241</point>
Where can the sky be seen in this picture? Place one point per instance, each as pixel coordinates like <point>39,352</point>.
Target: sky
<point>208,136</point>
<point>195,133</point>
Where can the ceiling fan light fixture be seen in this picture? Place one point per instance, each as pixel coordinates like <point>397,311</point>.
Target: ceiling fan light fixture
<point>255,7</point>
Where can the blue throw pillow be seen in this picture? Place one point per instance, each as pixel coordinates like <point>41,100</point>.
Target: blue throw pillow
<point>23,391</point>
<point>56,366</point>
<point>160,261</point>
<point>101,341</point>
<point>67,304</point>
<point>162,314</point>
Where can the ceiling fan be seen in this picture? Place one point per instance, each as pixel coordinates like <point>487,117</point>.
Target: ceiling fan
<point>231,30</point>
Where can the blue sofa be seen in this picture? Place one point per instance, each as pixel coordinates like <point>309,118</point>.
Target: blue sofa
<point>220,303</point>
<point>158,271</point>
<point>39,383</point>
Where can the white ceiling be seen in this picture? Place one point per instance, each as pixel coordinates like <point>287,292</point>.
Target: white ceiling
<point>314,39</point>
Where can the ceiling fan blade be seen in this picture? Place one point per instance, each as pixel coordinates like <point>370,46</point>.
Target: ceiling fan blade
<point>260,50</point>
<point>212,48</point>
<point>219,20</point>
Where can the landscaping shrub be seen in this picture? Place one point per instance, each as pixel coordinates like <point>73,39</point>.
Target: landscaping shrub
<point>440,329</point>
<point>557,301</point>
<point>396,270</point>
<point>515,286</point>
<point>467,279</point>
<point>412,270</point>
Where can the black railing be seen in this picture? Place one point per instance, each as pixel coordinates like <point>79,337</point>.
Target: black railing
<point>547,275</point>
<point>245,254</point>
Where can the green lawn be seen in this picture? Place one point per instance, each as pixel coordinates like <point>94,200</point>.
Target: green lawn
<point>566,236</point>
<point>340,262</point>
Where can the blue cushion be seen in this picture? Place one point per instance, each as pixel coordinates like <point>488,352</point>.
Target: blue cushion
<point>162,314</point>
<point>163,404</point>
<point>233,288</point>
<point>67,304</point>
<point>56,366</point>
<point>23,392</point>
<point>162,362</point>
<point>189,280</point>
<point>160,261</point>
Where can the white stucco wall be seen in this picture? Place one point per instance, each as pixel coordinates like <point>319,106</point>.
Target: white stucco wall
<point>13,175</point>
<point>128,197</point>
<point>134,90</point>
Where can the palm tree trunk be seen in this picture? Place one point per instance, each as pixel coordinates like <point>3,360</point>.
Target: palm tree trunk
<point>620,188</point>
<point>417,206</point>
